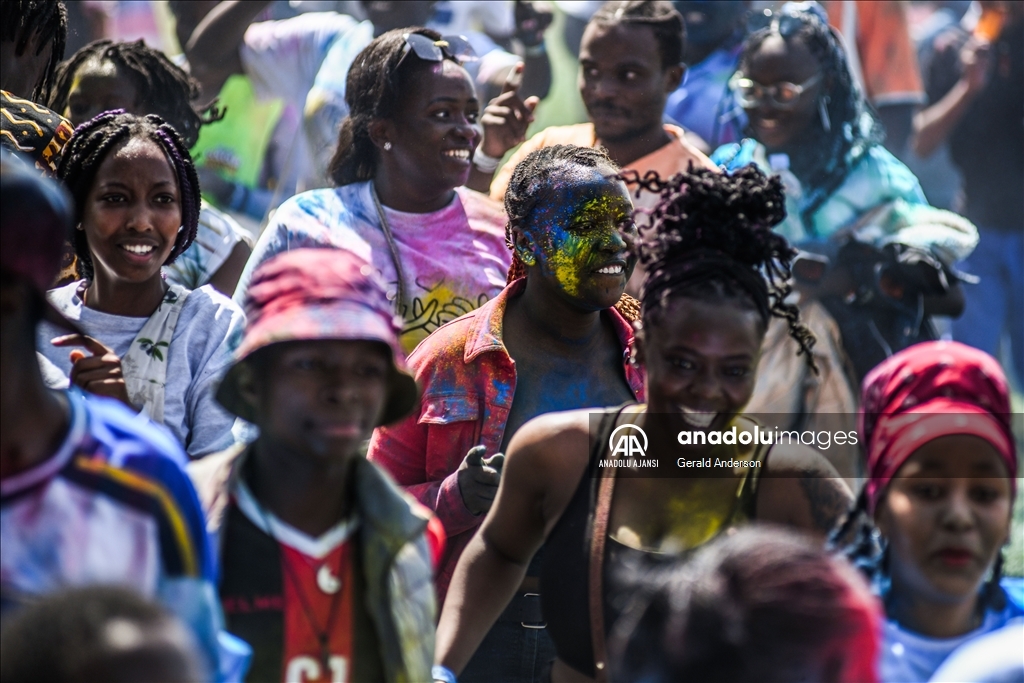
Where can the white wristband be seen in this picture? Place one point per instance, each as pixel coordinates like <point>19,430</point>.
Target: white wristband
<point>484,162</point>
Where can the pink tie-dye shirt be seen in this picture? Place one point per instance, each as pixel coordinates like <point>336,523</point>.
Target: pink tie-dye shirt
<point>454,260</point>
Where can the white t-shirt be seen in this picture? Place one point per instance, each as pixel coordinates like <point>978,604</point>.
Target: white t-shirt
<point>909,657</point>
<point>997,657</point>
<point>198,356</point>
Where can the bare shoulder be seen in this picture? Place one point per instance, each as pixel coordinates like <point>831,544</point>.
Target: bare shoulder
<point>554,442</point>
<point>546,459</point>
<point>801,488</point>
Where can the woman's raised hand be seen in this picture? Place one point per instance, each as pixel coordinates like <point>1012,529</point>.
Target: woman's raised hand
<point>99,373</point>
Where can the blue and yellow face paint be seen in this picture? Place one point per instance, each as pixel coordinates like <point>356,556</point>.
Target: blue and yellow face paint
<point>579,229</point>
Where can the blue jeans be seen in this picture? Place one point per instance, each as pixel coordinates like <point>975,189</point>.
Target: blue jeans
<point>996,304</point>
<point>511,652</point>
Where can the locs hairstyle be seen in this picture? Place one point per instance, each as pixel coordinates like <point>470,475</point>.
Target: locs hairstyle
<point>711,237</point>
<point>662,18</point>
<point>525,191</point>
<point>163,88</point>
<point>91,144</point>
<point>823,158</point>
<point>47,20</point>
<point>373,91</point>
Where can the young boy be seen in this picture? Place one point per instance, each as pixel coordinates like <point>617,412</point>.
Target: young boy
<point>326,566</point>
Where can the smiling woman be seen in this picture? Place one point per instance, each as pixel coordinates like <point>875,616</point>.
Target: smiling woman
<point>156,347</point>
<point>715,274</point>
<point>942,470</point>
<point>403,155</point>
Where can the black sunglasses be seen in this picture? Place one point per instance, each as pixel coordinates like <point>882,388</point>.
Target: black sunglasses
<point>786,23</point>
<point>429,50</point>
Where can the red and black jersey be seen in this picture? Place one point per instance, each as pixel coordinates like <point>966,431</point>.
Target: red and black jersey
<point>282,590</point>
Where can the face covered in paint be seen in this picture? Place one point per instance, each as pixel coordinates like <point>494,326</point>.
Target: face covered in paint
<point>575,241</point>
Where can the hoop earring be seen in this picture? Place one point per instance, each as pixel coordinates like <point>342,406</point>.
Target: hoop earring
<point>387,146</point>
<point>79,227</point>
<point>826,123</point>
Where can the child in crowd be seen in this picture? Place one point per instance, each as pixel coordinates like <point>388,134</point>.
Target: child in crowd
<point>763,604</point>
<point>326,567</point>
<point>551,340</point>
<point>156,347</point>
<point>942,471</point>
<point>89,491</point>
<point>104,76</point>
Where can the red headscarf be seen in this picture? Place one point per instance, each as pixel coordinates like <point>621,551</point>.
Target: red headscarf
<point>926,391</point>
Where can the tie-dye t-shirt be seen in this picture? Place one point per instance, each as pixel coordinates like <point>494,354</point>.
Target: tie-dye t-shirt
<point>454,260</point>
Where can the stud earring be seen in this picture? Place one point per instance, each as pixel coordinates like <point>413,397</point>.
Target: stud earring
<point>387,146</point>
<point>79,227</point>
<point>826,123</point>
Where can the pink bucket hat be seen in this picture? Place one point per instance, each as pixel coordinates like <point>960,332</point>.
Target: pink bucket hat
<point>314,294</point>
<point>926,391</point>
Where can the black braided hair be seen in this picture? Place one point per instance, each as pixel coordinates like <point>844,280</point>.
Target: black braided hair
<point>45,19</point>
<point>163,88</point>
<point>374,90</point>
<point>823,159</point>
<point>711,237</point>
<point>98,137</point>
<point>524,193</point>
<point>660,15</point>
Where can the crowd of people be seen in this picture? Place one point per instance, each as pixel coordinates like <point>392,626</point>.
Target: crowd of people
<point>320,321</point>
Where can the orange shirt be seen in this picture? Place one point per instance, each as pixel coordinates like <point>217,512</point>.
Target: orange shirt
<point>674,157</point>
<point>886,62</point>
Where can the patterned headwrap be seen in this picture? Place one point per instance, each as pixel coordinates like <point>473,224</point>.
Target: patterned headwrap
<point>927,391</point>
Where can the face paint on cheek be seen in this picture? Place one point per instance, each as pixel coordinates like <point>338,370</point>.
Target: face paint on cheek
<point>566,255</point>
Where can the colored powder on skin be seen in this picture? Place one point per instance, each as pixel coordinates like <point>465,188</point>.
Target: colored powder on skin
<point>573,240</point>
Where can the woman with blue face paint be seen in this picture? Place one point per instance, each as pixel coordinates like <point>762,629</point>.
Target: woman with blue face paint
<point>705,305</point>
<point>556,338</point>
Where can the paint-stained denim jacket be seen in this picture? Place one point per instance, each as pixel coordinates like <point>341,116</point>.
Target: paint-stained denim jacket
<point>399,543</point>
<point>468,381</point>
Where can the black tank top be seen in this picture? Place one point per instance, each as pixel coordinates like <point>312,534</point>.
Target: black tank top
<point>564,584</point>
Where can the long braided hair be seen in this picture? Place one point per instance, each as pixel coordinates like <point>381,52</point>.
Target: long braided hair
<point>47,21</point>
<point>711,237</point>
<point>97,138</point>
<point>524,193</point>
<point>822,159</point>
<point>374,89</point>
<point>163,88</point>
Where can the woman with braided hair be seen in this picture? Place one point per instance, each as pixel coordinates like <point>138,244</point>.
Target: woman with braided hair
<point>556,338</point>
<point>104,76</point>
<point>871,285</point>
<point>157,347</point>
<point>716,274</point>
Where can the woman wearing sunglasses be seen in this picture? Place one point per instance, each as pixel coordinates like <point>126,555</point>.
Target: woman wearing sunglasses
<point>403,155</point>
<point>810,123</point>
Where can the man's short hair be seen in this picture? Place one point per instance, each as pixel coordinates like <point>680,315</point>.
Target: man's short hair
<point>659,15</point>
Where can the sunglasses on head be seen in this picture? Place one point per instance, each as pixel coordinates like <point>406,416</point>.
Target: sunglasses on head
<point>429,50</point>
<point>785,22</point>
<point>749,93</point>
